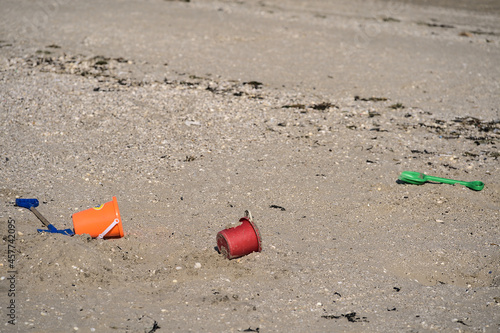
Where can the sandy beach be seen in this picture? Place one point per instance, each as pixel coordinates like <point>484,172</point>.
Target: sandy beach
<point>304,113</point>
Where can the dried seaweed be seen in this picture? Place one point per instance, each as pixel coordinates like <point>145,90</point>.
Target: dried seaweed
<point>254,84</point>
<point>397,106</point>
<point>351,317</point>
<point>155,327</point>
<point>322,106</point>
<point>294,106</point>
<point>483,126</point>
<point>370,99</point>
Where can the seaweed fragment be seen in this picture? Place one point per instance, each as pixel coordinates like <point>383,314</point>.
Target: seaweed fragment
<point>378,129</point>
<point>446,165</point>
<point>416,151</point>
<point>495,155</point>
<point>480,140</point>
<point>155,327</point>
<point>322,106</point>
<point>370,99</point>
<point>331,316</point>
<point>482,126</point>
<point>254,84</point>
<point>436,25</point>
<point>480,32</point>
<point>397,106</point>
<point>277,207</point>
<point>434,127</point>
<point>351,317</point>
<point>250,329</point>
<point>453,135</point>
<point>390,19</point>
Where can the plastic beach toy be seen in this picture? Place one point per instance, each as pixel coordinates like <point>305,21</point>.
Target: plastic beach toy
<point>103,221</point>
<point>418,178</point>
<point>31,204</point>
<point>241,240</point>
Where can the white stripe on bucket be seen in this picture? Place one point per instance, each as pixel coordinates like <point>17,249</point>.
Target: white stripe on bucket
<point>108,229</point>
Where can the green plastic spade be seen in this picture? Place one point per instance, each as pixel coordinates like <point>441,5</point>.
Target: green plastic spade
<point>418,178</point>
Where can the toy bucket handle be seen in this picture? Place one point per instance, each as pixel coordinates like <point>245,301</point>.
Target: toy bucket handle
<point>108,229</point>
<point>248,215</point>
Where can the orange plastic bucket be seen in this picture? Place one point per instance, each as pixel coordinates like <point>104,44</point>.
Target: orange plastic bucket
<point>102,221</point>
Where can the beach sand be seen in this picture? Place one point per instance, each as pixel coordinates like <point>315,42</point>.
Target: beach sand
<point>304,113</point>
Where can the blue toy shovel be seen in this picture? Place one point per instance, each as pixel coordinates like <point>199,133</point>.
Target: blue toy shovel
<point>31,204</point>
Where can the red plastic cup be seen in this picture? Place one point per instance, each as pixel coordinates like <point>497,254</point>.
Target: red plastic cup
<point>239,241</point>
